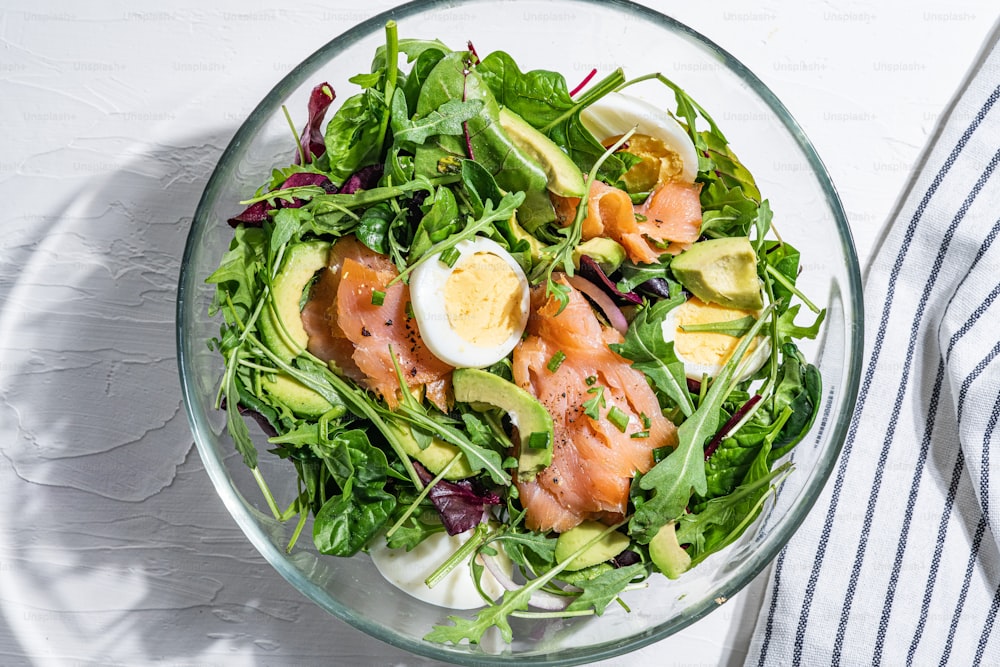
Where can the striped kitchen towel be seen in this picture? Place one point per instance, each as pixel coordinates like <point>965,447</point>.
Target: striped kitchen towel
<point>899,561</point>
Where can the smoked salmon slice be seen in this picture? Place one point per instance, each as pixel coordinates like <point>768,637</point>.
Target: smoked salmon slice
<point>346,328</point>
<point>667,222</point>
<point>593,462</point>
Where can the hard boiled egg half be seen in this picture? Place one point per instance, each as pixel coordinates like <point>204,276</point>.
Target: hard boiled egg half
<point>666,150</point>
<point>704,352</point>
<point>470,314</point>
<point>407,570</point>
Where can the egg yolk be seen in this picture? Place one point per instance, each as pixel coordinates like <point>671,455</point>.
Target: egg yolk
<point>482,299</point>
<point>704,347</point>
<point>657,163</point>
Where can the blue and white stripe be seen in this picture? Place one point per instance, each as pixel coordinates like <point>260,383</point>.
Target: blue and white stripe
<point>899,561</point>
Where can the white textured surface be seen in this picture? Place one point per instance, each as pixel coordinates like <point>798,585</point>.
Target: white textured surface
<point>114,548</point>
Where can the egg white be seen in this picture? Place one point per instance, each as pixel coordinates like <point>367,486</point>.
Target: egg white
<point>407,570</point>
<point>694,369</point>
<point>616,114</point>
<point>427,296</point>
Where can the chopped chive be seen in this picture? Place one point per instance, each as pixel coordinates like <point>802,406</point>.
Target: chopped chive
<point>449,257</point>
<point>409,310</point>
<point>640,434</point>
<point>539,440</point>
<point>556,361</point>
<point>644,418</point>
<point>618,418</point>
<point>378,297</point>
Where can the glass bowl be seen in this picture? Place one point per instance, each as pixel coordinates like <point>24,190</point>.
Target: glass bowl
<point>573,37</point>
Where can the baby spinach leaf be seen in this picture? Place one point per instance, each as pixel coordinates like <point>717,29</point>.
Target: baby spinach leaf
<point>440,222</point>
<point>480,186</point>
<point>347,521</point>
<point>373,228</point>
<point>413,48</point>
<point>585,149</point>
<point>540,97</point>
<point>454,79</point>
<point>352,135</point>
<point>784,258</point>
<point>425,62</point>
<point>800,390</point>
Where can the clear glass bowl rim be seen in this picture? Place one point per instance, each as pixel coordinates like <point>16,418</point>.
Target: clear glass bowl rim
<point>742,575</point>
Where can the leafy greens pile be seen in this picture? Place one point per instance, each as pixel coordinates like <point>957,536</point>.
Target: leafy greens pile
<point>411,165</point>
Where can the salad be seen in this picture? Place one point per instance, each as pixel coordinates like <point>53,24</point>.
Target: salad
<point>546,335</point>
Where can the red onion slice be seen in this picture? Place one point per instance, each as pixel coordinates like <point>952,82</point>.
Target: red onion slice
<point>539,599</point>
<point>603,301</point>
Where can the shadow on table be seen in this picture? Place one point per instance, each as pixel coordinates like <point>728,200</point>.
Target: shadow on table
<point>119,550</point>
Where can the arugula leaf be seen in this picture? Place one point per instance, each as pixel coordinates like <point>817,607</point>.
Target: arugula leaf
<point>726,211</point>
<point>286,224</point>
<point>787,329</point>
<point>496,615</point>
<point>445,119</point>
<point>504,210</point>
<point>725,518</point>
<point>530,550</point>
<point>592,407</point>
<point>726,165</point>
<point>238,277</point>
<point>650,353</point>
<point>235,424</point>
<point>671,482</point>
<point>602,590</point>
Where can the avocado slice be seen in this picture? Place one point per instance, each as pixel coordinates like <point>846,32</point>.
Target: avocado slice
<point>299,398</point>
<point>518,232</point>
<point>435,456</point>
<point>608,253</point>
<point>300,264</point>
<point>604,549</point>
<point>564,177</point>
<point>533,421</point>
<point>722,271</point>
<point>667,553</point>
